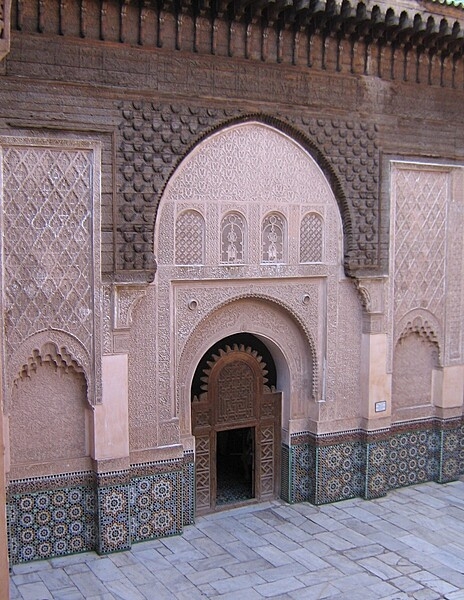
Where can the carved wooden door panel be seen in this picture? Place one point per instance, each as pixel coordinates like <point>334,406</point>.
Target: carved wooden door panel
<point>236,397</point>
<point>202,430</point>
<point>234,391</point>
<point>268,454</point>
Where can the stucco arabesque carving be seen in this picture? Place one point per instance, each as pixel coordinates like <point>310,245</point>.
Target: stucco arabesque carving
<point>155,137</point>
<point>201,311</point>
<point>62,297</point>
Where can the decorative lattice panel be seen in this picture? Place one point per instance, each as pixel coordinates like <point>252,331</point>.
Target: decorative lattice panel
<point>420,239</point>
<point>51,221</point>
<point>235,393</point>
<point>190,233</point>
<point>273,239</point>
<point>202,472</point>
<point>233,239</point>
<point>267,459</point>
<point>311,239</point>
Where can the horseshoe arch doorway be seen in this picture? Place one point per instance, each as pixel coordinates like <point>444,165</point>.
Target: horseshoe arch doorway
<point>236,422</point>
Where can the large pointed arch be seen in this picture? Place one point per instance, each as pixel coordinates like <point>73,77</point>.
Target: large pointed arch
<point>300,139</point>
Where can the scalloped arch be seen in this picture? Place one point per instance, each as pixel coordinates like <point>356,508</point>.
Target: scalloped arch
<point>52,346</point>
<point>424,324</point>
<point>292,347</point>
<point>236,350</point>
<point>272,301</point>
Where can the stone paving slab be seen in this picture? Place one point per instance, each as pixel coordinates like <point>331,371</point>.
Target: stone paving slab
<point>408,545</point>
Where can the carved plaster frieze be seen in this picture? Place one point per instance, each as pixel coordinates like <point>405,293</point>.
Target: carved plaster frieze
<point>126,299</point>
<point>428,255</point>
<point>107,321</point>
<point>302,300</point>
<point>169,433</point>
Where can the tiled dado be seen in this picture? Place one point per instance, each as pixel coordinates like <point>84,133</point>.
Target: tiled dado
<point>298,473</point>
<point>329,468</point>
<point>51,516</point>
<point>54,516</point>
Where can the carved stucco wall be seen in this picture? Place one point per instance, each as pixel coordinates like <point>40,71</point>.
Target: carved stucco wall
<point>155,137</point>
<point>51,266</point>
<point>251,169</point>
<point>427,268</point>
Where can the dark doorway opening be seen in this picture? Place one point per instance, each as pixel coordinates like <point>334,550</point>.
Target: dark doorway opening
<point>235,465</point>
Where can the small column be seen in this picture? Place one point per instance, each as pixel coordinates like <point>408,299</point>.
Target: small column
<point>111,454</point>
<point>4,573</point>
<point>448,388</point>
<point>375,384</point>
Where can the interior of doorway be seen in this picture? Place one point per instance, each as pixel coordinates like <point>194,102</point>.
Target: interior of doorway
<point>235,466</point>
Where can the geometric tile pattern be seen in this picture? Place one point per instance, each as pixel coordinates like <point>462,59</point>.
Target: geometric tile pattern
<point>323,473</point>
<point>341,472</point>
<point>461,450</point>
<point>156,506</point>
<point>452,454</point>
<point>51,523</point>
<point>78,516</point>
<point>377,469</point>
<point>413,457</point>
<point>113,518</point>
<point>303,473</point>
<point>285,472</point>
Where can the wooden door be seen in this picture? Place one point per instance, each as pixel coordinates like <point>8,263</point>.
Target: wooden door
<point>236,397</point>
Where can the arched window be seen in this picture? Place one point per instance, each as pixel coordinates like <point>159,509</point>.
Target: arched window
<point>273,239</point>
<point>190,238</point>
<point>311,239</point>
<point>233,229</point>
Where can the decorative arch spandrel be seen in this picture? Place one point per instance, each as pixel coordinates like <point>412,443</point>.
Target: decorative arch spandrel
<point>294,352</point>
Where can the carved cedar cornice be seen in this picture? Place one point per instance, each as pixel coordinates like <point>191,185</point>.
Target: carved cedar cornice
<point>344,21</point>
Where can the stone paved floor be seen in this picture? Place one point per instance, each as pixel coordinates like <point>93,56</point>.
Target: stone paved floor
<point>409,544</point>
